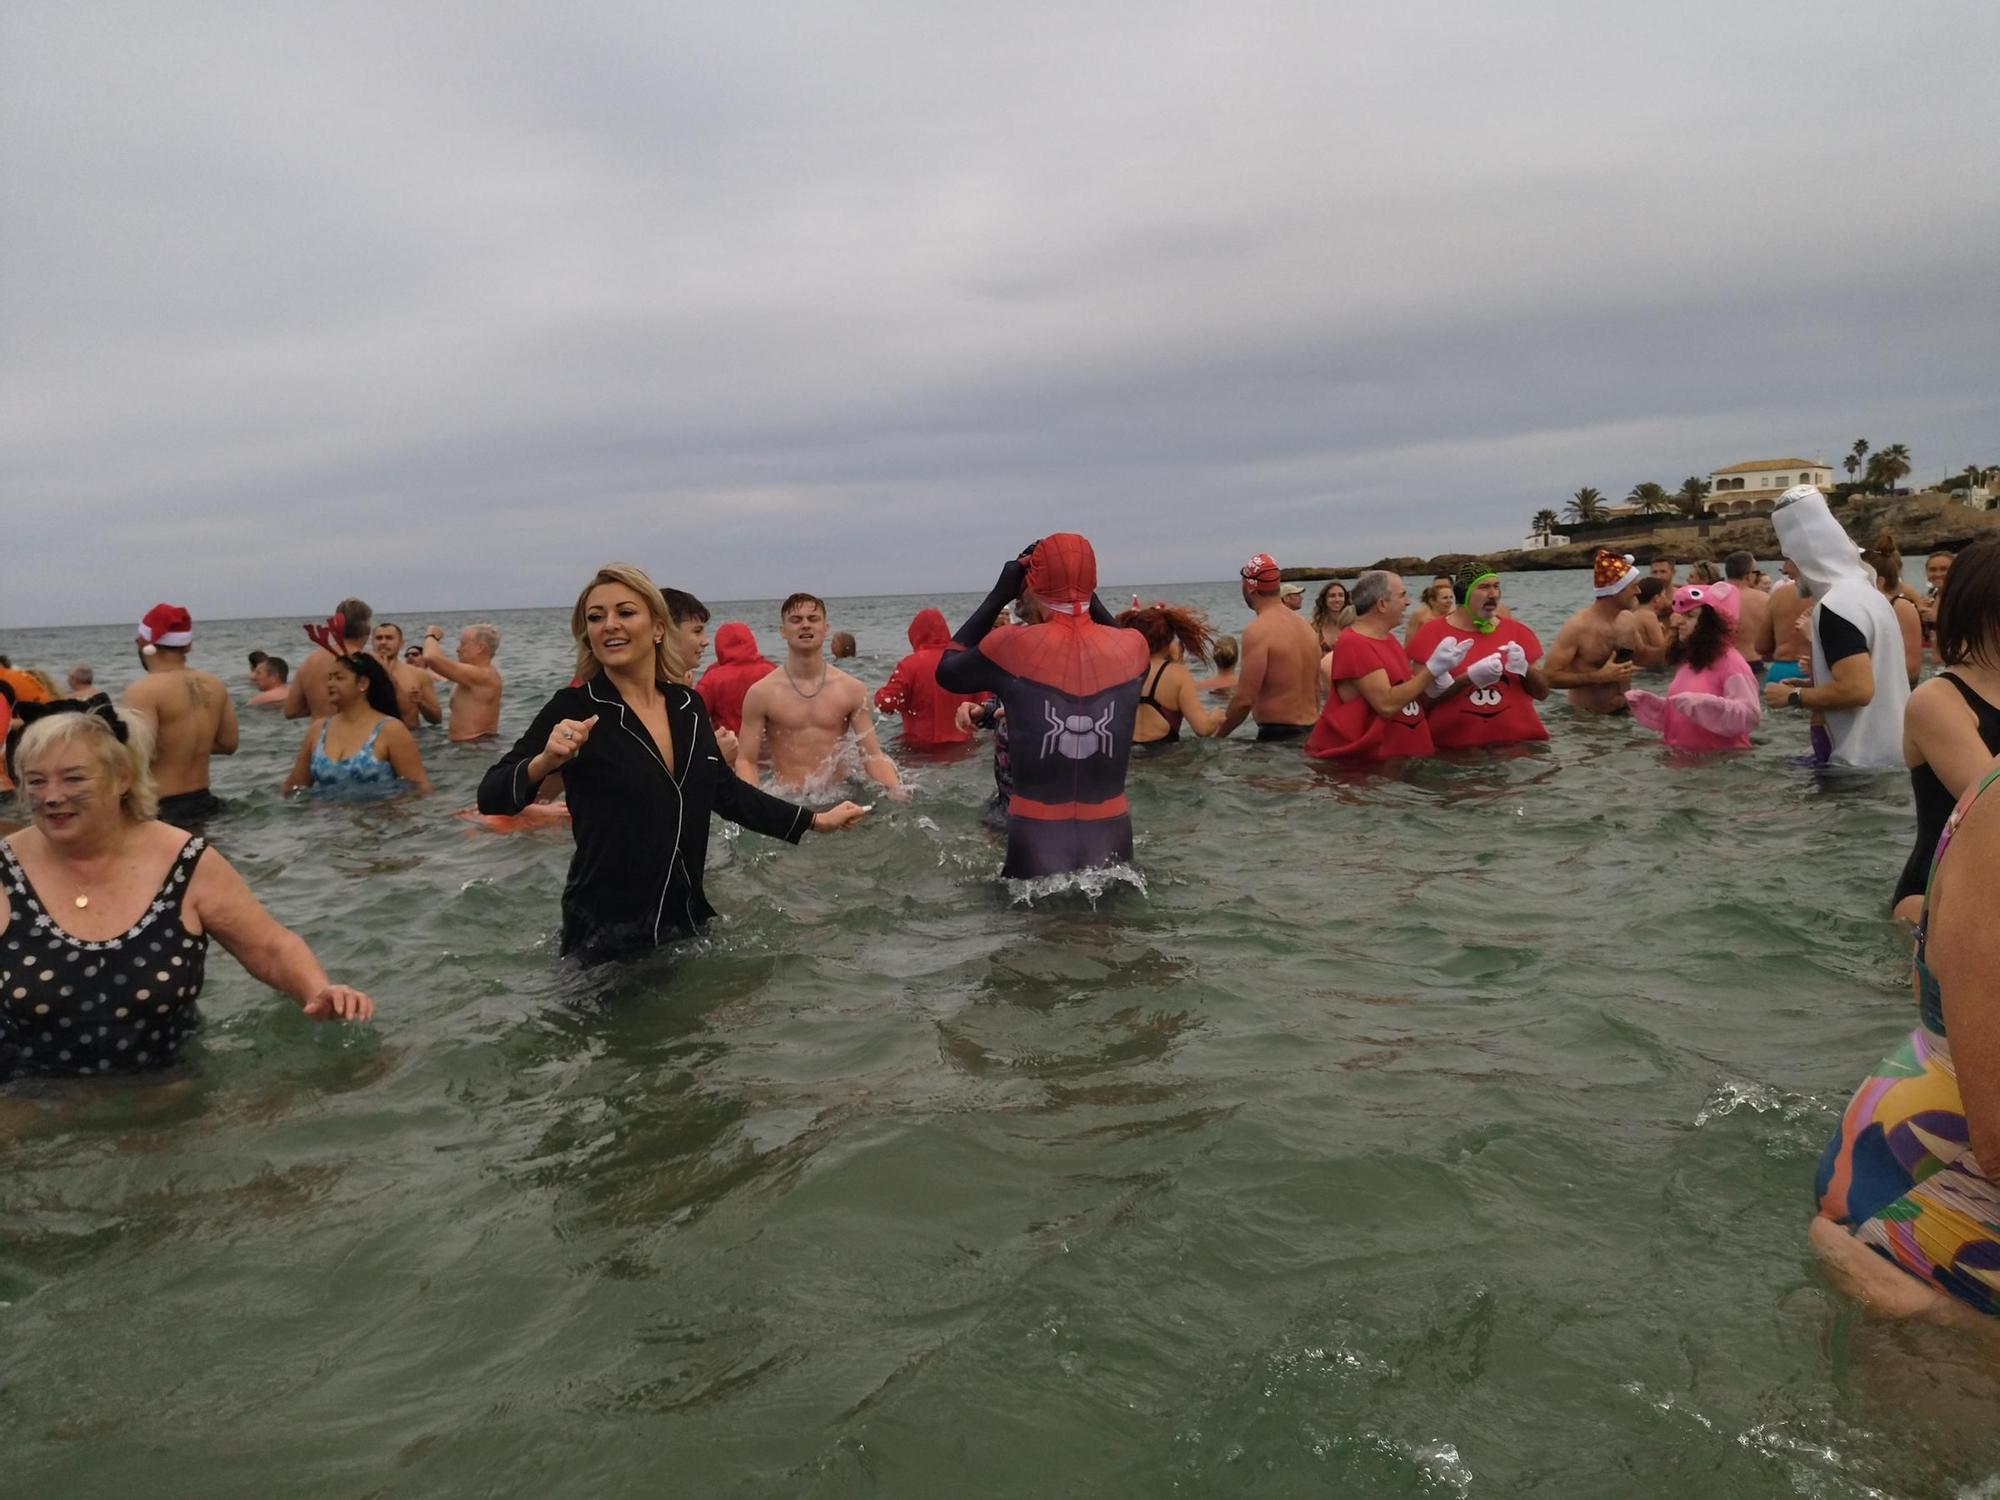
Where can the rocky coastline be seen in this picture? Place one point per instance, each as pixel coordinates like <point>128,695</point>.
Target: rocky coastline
<point>1928,522</point>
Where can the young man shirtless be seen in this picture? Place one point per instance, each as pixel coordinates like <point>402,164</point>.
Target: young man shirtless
<point>191,714</point>
<point>1581,659</point>
<point>807,707</point>
<point>475,694</point>
<point>1782,640</point>
<point>1277,673</point>
<point>416,690</point>
<point>306,696</point>
<point>1754,608</point>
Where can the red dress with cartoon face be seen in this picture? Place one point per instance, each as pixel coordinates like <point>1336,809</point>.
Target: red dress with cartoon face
<point>1502,714</point>
<point>1353,730</point>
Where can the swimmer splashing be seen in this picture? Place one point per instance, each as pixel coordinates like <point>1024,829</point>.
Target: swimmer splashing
<point>1069,681</point>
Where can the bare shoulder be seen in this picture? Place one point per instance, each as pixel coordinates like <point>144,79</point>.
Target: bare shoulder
<point>846,686</point>
<point>761,690</point>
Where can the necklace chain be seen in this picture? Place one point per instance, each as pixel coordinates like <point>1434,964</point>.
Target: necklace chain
<point>801,691</point>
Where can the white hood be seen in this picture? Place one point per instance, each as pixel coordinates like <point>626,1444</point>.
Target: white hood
<point>1837,579</point>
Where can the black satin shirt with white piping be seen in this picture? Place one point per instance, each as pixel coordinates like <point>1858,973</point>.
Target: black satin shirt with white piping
<point>641,830</point>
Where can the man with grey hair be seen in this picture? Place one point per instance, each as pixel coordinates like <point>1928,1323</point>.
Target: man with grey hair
<point>82,682</point>
<point>475,694</point>
<point>1755,607</point>
<point>1375,710</point>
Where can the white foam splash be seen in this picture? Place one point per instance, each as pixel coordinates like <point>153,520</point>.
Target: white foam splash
<point>1090,884</point>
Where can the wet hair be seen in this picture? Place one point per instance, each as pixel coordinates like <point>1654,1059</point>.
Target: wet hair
<point>1968,611</point>
<point>1369,590</point>
<point>1224,652</point>
<point>280,668</point>
<point>683,606</point>
<point>130,758</point>
<point>795,600</point>
<point>359,617</point>
<point>1163,624</point>
<point>841,643</point>
<point>1705,647</point>
<point>1651,588</point>
<point>1739,566</point>
<point>668,663</point>
<point>255,657</point>
<point>376,684</point>
<point>1886,558</point>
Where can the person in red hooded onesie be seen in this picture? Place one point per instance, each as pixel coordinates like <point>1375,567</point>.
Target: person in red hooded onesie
<point>738,665</point>
<point>929,712</point>
<point>1070,682</point>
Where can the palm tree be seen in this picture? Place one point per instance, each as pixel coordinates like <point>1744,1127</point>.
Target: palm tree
<point>1546,522</point>
<point>1895,461</point>
<point>1585,506</point>
<point>1692,497</point>
<point>1855,455</point>
<point>1651,498</point>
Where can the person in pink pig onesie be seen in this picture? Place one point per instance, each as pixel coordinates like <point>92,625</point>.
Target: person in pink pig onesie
<point>1712,703</point>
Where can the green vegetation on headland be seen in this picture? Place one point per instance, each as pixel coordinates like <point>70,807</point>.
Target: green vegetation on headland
<point>1928,522</point>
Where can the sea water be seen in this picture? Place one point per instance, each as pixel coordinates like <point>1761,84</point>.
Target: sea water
<point>1448,1131</point>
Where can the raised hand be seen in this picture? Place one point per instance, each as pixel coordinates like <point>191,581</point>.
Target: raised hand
<point>566,739</point>
<point>1446,658</point>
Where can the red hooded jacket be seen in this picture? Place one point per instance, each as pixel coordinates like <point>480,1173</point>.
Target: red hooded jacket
<point>738,665</point>
<point>929,712</point>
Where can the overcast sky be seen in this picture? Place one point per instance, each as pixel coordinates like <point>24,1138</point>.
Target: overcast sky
<point>448,303</point>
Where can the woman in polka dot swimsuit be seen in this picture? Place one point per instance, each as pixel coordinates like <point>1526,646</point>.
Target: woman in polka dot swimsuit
<point>106,913</point>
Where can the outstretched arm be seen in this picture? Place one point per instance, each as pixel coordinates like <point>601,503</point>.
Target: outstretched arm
<point>272,952</point>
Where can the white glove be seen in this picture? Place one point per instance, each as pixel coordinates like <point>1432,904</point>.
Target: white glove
<point>1485,672</point>
<point>1450,652</point>
<point>1514,659</point>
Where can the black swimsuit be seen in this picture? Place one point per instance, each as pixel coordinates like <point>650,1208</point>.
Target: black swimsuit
<point>1171,715</point>
<point>1934,803</point>
<point>116,1005</point>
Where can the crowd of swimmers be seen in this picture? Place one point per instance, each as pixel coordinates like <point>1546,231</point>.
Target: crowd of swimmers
<point>108,900</point>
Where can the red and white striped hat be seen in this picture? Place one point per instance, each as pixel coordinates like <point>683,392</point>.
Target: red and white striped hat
<point>167,625</point>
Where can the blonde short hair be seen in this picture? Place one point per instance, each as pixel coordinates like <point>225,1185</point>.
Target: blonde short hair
<point>669,663</point>
<point>130,761</point>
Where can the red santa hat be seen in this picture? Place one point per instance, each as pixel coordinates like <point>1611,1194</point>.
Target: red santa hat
<point>166,625</point>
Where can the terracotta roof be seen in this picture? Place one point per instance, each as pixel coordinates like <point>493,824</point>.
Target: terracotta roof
<point>1771,463</point>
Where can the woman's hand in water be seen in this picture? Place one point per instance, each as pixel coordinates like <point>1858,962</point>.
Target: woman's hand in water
<point>565,740</point>
<point>341,1000</point>
<point>835,818</point>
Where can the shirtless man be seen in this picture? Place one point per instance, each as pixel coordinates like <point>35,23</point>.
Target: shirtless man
<point>475,694</point>
<point>191,714</point>
<point>1642,629</point>
<point>1665,569</point>
<point>807,707</point>
<point>1782,642</point>
<point>307,697</point>
<point>1739,568</point>
<point>1581,659</point>
<point>269,676</point>
<point>416,690</point>
<point>1277,672</point>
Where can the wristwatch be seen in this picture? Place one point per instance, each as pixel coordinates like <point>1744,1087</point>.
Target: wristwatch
<point>1792,699</point>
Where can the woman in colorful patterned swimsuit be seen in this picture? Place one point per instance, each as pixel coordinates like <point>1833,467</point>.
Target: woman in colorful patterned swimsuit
<point>1909,1215</point>
<point>106,912</point>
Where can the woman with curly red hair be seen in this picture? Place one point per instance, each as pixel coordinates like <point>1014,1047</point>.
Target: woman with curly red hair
<point>1170,698</point>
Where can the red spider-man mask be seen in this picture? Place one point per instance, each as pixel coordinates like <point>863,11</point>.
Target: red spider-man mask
<point>1062,570</point>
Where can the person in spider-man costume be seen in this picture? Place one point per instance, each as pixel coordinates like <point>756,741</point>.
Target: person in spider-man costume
<point>1069,680</point>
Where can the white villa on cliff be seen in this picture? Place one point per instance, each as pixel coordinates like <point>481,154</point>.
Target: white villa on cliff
<point>1742,488</point>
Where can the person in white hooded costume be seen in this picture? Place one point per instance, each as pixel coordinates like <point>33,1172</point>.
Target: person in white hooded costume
<point>1859,687</point>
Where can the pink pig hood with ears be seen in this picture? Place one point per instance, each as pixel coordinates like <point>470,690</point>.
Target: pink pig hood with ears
<point>1720,597</point>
